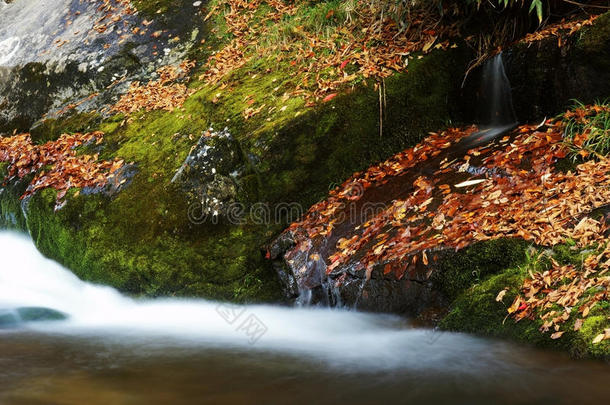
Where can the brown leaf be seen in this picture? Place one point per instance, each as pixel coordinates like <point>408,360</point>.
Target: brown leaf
<point>557,335</point>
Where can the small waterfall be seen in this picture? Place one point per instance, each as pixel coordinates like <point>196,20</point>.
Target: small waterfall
<point>496,96</point>
<point>496,114</point>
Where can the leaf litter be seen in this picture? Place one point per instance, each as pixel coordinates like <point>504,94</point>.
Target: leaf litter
<point>507,189</point>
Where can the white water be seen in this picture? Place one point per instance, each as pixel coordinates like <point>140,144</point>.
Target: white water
<point>8,49</point>
<point>496,96</point>
<point>496,113</point>
<point>334,336</point>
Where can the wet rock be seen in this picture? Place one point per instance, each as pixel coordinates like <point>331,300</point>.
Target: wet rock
<point>68,62</point>
<point>14,317</point>
<point>208,175</point>
<point>302,273</point>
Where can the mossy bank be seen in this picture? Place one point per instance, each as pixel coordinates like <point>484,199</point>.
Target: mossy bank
<point>142,241</point>
<point>478,310</point>
<point>145,240</point>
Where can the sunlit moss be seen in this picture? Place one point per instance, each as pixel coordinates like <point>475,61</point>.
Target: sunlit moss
<point>50,129</point>
<point>141,240</point>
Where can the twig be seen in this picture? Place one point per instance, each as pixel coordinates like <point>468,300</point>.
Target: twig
<point>380,110</point>
<point>576,3</point>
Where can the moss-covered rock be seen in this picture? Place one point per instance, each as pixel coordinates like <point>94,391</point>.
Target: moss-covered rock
<point>11,215</point>
<point>458,271</point>
<point>143,240</point>
<point>476,310</point>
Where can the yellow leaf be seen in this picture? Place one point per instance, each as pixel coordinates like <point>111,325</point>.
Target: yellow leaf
<point>557,335</point>
<point>501,295</point>
<point>429,44</point>
<point>516,304</point>
<point>599,338</point>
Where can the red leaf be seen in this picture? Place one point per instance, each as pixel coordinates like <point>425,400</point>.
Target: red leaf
<point>329,97</point>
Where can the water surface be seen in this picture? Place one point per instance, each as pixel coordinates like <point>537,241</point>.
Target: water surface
<point>116,350</point>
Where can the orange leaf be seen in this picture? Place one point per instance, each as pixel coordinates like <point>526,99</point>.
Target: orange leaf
<point>329,97</point>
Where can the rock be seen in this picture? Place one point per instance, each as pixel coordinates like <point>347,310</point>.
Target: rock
<point>302,273</point>
<point>12,318</point>
<point>544,84</point>
<point>44,68</point>
<point>208,175</point>
<point>548,75</point>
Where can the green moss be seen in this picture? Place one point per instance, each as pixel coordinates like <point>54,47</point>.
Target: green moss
<point>459,271</point>
<point>88,237</point>
<point>11,215</point>
<point>567,254</point>
<point>51,129</point>
<point>141,240</point>
<point>477,311</point>
<point>594,39</point>
<point>160,8</point>
<point>304,155</point>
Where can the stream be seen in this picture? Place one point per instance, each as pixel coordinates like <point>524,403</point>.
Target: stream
<point>64,341</point>
<point>113,349</point>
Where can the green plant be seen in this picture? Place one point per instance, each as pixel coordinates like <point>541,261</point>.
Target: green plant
<point>534,5</point>
<point>535,260</point>
<point>587,129</point>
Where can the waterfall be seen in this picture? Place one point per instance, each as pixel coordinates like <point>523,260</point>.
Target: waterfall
<point>496,104</point>
<point>496,114</point>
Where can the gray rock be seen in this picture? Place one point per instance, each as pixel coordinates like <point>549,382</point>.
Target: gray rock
<point>208,175</point>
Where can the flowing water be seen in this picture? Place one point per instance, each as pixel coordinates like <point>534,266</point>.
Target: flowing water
<point>496,113</point>
<point>117,350</point>
<point>380,293</point>
<point>496,100</point>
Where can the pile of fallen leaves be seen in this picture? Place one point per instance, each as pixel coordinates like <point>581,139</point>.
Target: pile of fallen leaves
<point>560,30</point>
<point>508,188</point>
<point>165,93</point>
<point>113,17</point>
<point>359,47</point>
<point>56,164</point>
<point>567,292</point>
